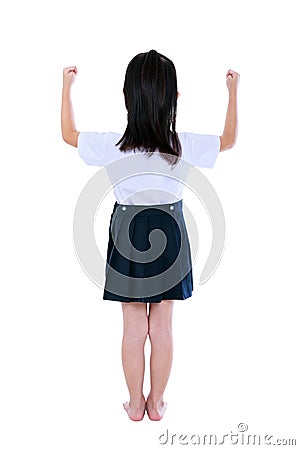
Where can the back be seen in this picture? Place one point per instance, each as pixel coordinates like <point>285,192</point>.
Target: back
<point>140,179</point>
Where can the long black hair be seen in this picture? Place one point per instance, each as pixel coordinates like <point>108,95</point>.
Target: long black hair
<point>150,91</point>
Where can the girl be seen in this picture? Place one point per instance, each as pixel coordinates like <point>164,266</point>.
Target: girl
<point>147,202</point>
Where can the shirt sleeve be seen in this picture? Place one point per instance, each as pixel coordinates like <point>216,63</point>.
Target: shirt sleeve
<point>92,147</point>
<point>200,149</point>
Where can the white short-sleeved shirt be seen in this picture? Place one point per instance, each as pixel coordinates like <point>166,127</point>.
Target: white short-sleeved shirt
<point>143,180</point>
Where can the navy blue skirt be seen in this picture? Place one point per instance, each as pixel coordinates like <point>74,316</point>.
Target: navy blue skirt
<point>148,254</point>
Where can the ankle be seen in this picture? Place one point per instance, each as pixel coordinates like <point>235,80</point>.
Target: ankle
<point>155,400</point>
<point>137,402</point>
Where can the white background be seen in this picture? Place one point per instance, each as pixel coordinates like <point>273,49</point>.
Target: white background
<point>236,356</point>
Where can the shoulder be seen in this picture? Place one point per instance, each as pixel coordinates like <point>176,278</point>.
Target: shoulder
<point>199,139</point>
<point>200,149</point>
<point>98,148</point>
<point>95,137</point>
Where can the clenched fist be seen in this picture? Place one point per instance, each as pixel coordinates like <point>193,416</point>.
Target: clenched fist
<point>232,79</point>
<point>69,74</point>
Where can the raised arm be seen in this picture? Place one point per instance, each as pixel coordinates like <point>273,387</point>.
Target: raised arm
<point>229,136</point>
<point>68,128</point>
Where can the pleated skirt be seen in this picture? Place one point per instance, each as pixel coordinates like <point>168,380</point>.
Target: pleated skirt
<point>148,254</point>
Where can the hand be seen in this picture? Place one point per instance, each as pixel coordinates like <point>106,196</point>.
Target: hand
<point>232,80</point>
<point>69,74</point>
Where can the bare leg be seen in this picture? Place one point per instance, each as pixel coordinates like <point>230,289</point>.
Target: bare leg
<point>135,332</point>
<point>160,333</point>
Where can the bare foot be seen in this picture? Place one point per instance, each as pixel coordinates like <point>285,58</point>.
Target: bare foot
<point>156,410</point>
<point>135,413</point>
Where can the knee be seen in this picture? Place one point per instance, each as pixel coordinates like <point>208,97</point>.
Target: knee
<point>135,322</point>
<point>160,321</point>
<point>136,331</point>
<point>160,330</point>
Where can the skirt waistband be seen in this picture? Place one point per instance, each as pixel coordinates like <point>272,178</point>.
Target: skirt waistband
<point>149,210</point>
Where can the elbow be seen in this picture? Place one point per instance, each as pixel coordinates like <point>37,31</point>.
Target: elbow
<point>65,138</point>
<point>71,138</point>
<point>227,142</point>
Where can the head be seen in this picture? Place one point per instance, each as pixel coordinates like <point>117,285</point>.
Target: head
<point>150,91</point>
